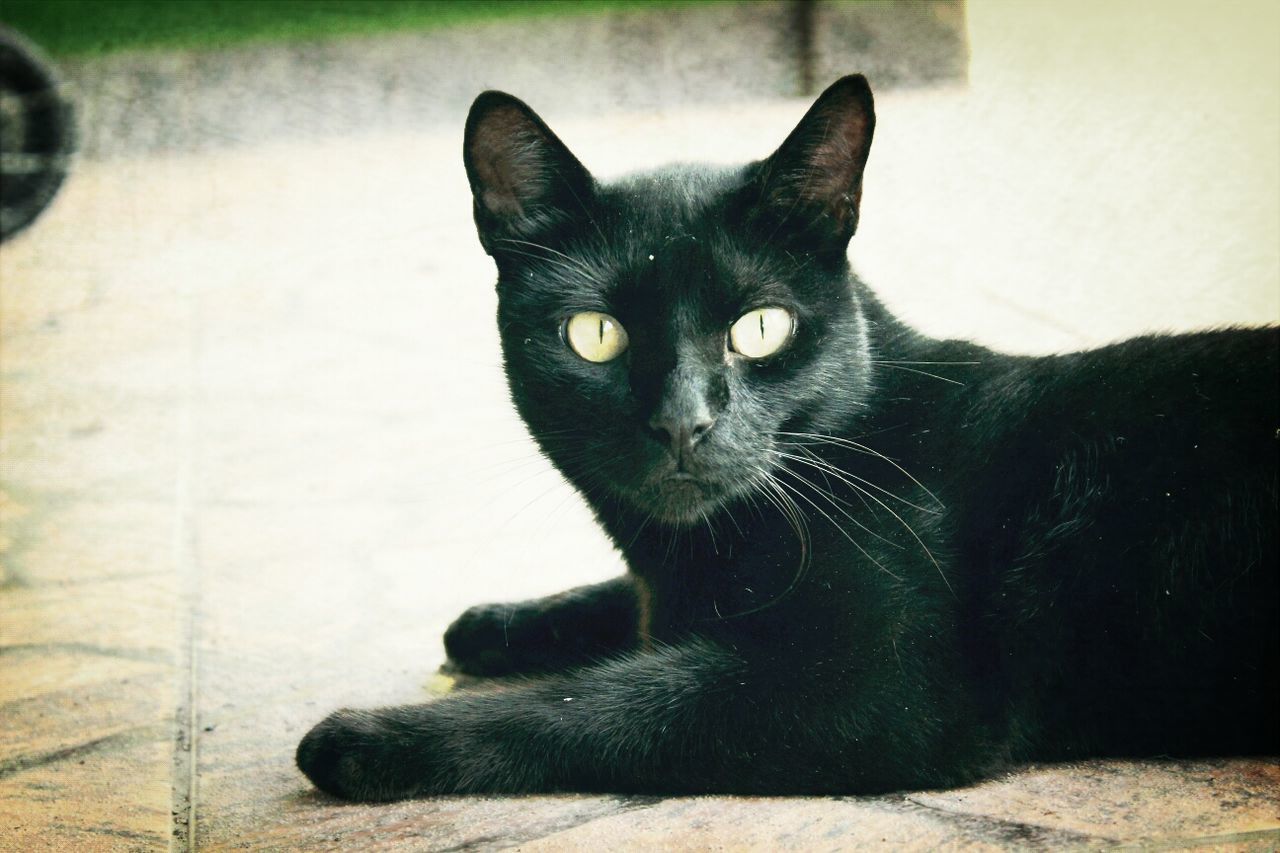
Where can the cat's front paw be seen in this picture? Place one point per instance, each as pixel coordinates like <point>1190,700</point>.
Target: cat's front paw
<point>479,642</point>
<point>365,755</point>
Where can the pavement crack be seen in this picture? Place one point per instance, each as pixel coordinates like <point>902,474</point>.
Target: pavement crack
<point>146,655</point>
<point>22,763</point>
<point>998,829</point>
<point>613,806</point>
<point>1183,842</point>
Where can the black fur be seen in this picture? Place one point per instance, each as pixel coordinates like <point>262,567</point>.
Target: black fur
<point>887,561</point>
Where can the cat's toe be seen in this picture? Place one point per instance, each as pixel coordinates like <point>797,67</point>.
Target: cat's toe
<point>344,755</point>
<point>478,641</point>
<point>318,755</point>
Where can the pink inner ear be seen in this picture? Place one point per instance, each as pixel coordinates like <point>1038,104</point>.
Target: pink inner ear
<point>820,165</point>
<point>835,162</point>
<point>506,155</point>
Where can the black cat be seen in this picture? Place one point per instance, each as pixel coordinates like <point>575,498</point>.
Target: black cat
<point>860,559</point>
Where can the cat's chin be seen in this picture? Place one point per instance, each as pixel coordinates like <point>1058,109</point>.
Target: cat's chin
<point>680,500</point>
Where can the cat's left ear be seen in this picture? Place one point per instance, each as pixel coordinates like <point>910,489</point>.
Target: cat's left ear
<point>524,181</point>
<point>812,185</point>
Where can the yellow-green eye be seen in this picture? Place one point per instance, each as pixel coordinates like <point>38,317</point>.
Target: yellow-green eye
<point>762,332</point>
<point>596,337</point>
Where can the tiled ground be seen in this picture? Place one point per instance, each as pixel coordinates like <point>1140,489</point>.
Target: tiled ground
<point>256,451</point>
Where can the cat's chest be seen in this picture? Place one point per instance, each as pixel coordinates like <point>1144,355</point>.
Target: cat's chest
<point>735,582</point>
<point>702,575</point>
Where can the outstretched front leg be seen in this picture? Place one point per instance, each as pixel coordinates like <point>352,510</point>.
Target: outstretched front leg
<point>695,717</point>
<point>573,628</point>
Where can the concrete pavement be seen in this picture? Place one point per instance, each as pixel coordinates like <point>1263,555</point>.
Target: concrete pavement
<point>257,453</point>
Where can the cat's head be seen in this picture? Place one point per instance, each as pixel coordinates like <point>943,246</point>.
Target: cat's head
<point>662,333</point>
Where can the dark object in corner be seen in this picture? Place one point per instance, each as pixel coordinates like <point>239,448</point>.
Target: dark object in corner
<point>37,134</point>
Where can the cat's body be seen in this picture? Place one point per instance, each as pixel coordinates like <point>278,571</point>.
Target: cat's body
<point>866,560</point>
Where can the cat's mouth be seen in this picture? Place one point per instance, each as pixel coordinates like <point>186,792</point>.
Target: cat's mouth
<point>680,497</point>
<point>683,497</point>
<point>684,491</point>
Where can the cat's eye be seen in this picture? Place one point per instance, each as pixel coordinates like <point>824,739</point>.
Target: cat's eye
<point>596,337</point>
<point>762,332</point>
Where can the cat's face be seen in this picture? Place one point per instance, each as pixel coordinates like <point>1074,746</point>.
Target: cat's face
<point>661,333</point>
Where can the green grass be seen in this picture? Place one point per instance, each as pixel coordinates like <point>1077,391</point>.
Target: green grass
<point>88,27</point>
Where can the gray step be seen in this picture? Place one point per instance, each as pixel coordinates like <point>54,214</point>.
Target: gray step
<point>638,60</point>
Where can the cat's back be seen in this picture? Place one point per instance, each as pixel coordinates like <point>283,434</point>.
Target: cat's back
<point>1126,525</point>
<point>1222,380</point>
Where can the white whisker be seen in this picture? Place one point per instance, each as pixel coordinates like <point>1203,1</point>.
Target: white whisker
<point>896,366</point>
<point>845,442</point>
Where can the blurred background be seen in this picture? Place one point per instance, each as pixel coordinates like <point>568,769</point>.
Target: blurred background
<point>255,446</point>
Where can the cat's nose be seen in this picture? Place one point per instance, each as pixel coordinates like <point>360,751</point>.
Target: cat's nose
<point>680,433</point>
<point>692,397</point>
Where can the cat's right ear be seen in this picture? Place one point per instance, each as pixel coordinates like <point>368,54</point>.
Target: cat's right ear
<point>524,181</point>
<point>811,187</point>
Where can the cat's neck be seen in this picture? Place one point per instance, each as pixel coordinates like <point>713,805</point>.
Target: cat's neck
<point>888,335</point>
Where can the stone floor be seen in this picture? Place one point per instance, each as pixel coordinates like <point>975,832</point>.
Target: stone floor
<point>256,451</point>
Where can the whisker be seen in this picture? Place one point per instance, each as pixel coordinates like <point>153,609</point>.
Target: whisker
<point>596,225</point>
<point>635,537</point>
<point>842,531</point>
<point>841,474</point>
<point>555,264</point>
<point>890,361</point>
<point>791,511</point>
<point>894,366</point>
<point>583,267</point>
<point>844,442</point>
<point>920,541</point>
<point>530,503</point>
<point>835,504</point>
<point>710,530</point>
<point>805,449</point>
<point>853,444</point>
